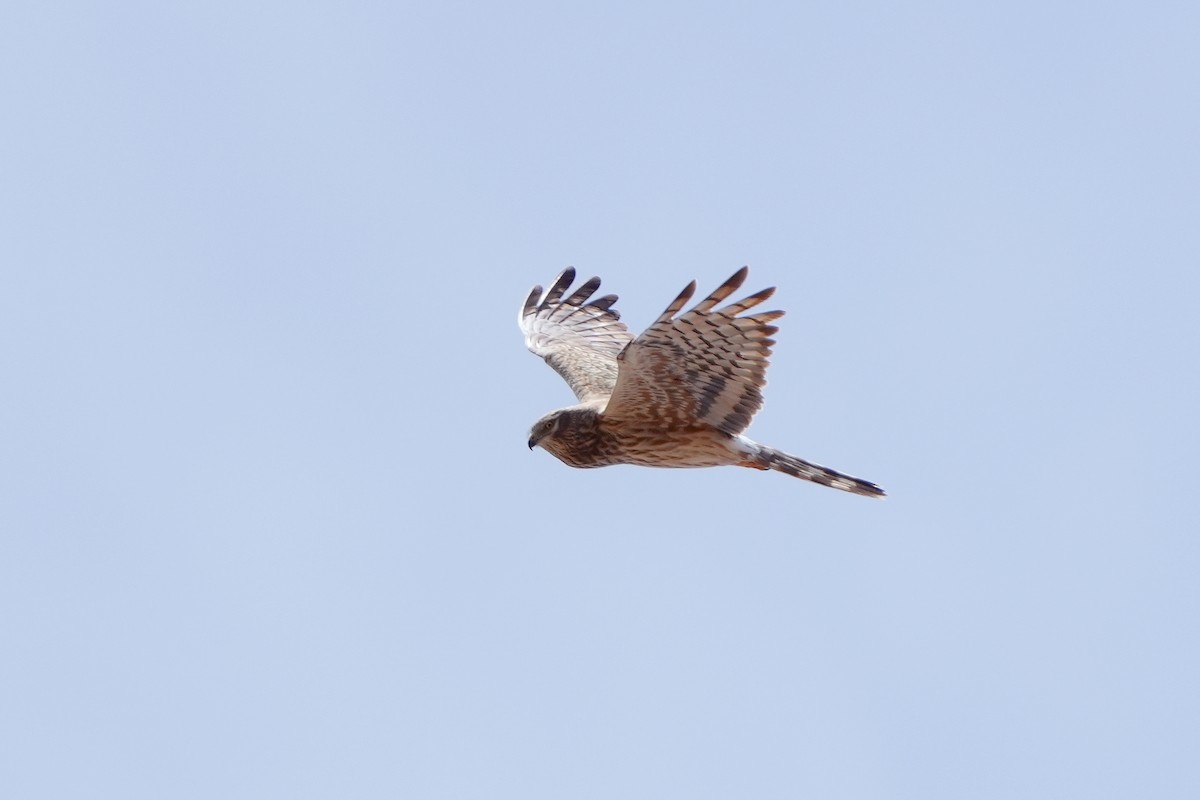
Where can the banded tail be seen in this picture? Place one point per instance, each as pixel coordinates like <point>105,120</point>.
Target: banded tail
<point>764,457</point>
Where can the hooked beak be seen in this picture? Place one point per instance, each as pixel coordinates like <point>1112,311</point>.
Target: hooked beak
<point>532,442</point>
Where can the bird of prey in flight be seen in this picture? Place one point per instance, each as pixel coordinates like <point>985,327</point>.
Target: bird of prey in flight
<point>678,395</point>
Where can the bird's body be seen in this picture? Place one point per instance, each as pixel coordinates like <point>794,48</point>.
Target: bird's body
<point>583,437</point>
<point>679,395</point>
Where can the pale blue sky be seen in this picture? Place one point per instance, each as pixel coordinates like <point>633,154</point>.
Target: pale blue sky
<point>268,524</point>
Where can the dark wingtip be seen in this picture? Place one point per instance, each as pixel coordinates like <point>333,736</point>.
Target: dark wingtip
<point>564,280</point>
<point>604,303</point>
<point>735,281</point>
<point>585,290</point>
<point>531,303</point>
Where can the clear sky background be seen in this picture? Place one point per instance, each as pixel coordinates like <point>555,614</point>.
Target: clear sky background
<point>268,524</point>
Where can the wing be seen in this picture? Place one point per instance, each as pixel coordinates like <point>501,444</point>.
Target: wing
<point>706,365</point>
<point>578,337</point>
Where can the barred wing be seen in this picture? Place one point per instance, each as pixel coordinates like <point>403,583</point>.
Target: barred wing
<point>579,337</point>
<point>707,366</point>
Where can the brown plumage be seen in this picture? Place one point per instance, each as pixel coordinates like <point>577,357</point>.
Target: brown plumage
<point>679,395</point>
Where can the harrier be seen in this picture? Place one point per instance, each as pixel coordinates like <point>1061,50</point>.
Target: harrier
<point>679,395</point>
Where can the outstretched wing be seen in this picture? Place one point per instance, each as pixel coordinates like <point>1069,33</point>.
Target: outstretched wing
<point>579,337</point>
<point>708,365</point>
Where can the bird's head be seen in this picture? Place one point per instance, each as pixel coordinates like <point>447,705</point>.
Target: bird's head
<point>569,434</point>
<point>544,427</point>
